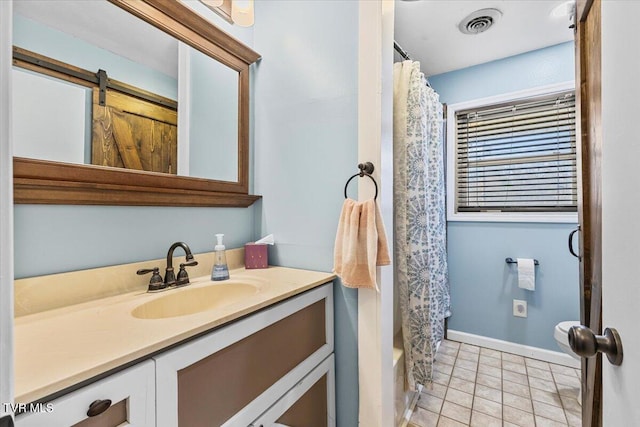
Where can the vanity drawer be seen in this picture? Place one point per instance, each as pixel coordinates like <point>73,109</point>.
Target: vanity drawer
<point>310,403</point>
<point>131,391</point>
<point>232,375</point>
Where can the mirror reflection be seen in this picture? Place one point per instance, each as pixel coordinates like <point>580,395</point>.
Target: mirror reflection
<point>137,122</point>
<point>210,121</point>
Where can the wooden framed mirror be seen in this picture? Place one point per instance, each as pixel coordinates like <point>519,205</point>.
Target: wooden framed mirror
<point>39,181</point>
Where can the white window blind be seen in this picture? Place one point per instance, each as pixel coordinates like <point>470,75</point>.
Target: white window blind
<point>517,157</point>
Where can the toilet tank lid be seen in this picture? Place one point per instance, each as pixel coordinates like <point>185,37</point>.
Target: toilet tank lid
<point>564,326</point>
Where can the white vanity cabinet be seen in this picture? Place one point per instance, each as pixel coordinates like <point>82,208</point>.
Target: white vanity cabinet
<point>271,366</point>
<point>131,392</point>
<point>235,374</point>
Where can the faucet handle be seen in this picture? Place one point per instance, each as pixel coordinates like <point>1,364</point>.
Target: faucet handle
<point>183,277</point>
<point>188,264</point>
<point>155,282</point>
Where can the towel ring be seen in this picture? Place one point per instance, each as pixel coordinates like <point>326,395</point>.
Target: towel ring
<point>366,169</point>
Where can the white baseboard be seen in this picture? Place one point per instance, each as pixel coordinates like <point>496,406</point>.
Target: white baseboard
<point>556,357</point>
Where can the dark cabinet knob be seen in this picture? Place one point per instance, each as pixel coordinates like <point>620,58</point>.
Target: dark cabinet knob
<point>98,406</point>
<point>585,343</point>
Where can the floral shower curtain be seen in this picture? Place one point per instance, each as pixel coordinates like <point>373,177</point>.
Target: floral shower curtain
<point>419,219</point>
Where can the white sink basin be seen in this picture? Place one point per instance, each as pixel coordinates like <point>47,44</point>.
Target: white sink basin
<point>182,302</point>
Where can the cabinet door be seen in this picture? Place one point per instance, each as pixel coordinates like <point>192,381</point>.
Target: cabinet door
<point>132,396</point>
<point>232,375</point>
<point>310,403</point>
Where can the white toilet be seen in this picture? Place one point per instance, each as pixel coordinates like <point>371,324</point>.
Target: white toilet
<point>560,334</point>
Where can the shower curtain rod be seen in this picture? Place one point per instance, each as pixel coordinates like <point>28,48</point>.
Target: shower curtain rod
<point>406,56</point>
<point>401,51</point>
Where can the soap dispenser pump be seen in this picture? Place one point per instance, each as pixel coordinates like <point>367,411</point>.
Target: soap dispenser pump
<point>220,270</point>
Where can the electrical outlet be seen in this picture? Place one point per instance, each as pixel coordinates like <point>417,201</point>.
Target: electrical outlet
<point>519,308</point>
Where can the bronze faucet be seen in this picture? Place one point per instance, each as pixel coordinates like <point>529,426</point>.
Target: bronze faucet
<point>169,275</point>
<point>157,284</point>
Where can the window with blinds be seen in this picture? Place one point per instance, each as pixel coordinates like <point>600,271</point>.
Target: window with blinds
<point>517,157</point>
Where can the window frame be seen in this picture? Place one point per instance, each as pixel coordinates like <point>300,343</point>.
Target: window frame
<point>452,109</point>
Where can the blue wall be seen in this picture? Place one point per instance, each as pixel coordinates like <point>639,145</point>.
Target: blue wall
<point>541,67</point>
<point>482,284</point>
<point>306,147</point>
<point>53,239</point>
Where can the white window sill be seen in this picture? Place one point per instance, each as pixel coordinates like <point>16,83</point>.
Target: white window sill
<point>563,218</point>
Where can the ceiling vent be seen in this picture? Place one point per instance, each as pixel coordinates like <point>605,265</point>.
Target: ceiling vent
<point>479,21</point>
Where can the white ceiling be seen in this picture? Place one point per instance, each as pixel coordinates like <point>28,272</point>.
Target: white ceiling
<point>428,31</point>
<point>105,25</point>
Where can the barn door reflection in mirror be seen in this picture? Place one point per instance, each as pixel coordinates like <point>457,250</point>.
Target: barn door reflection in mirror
<point>134,134</point>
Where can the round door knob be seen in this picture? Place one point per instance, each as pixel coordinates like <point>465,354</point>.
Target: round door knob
<point>585,343</point>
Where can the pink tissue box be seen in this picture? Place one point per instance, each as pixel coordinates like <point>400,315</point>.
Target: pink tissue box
<point>255,256</point>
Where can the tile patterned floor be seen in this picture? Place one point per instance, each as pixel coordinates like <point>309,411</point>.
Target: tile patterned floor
<point>476,386</point>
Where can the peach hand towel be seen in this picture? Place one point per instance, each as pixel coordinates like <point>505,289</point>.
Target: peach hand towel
<point>361,244</point>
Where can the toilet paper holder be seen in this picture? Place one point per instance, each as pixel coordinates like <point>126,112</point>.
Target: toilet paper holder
<point>513,261</point>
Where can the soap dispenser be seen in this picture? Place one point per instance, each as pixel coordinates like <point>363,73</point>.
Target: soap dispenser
<point>220,270</point>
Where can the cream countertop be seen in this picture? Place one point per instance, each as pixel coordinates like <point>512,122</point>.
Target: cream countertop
<point>59,348</point>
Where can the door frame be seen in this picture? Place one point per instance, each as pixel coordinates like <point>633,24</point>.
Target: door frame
<point>6,214</point>
<point>375,136</point>
<point>588,97</point>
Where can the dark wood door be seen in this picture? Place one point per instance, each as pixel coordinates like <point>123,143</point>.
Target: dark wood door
<point>588,72</point>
